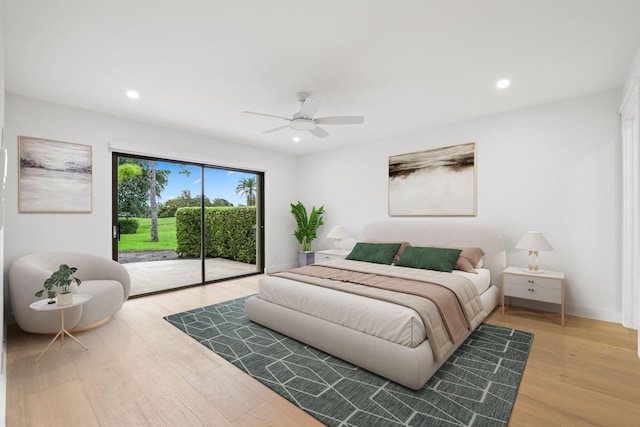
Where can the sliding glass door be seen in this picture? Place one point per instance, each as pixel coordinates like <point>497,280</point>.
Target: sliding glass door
<point>231,237</point>
<point>179,224</point>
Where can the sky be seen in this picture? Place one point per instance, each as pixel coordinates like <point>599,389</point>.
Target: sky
<point>219,183</point>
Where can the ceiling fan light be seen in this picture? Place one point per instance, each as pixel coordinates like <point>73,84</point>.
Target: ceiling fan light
<point>503,84</point>
<point>302,124</point>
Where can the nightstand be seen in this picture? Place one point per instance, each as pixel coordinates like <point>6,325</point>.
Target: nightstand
<point>330,255</point>
<point>547,286</point>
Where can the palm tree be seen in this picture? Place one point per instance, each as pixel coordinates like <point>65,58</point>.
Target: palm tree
<point>247,188</point>
<point>133,185</point>
<point>152,201</point>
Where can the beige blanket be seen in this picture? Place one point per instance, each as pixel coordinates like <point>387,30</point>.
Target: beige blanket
<point>447,319</point>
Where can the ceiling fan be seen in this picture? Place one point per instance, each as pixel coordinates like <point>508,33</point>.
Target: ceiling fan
<point>303,119</point>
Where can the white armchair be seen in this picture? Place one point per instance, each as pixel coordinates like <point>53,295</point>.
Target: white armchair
<point>106,280</point>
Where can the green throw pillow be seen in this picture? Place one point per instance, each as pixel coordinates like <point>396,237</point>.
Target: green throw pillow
<point>439,259</point>
<point>379,253</point>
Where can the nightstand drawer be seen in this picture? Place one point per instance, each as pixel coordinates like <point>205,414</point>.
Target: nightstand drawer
<point>323,258</point>
<point>533,291</point>
<point>531,281</point>
<point>328,255</point>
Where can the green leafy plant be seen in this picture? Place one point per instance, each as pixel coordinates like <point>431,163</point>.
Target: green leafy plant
<point>128,225</point>
<point>307,224</point>
<point>61,278</point>
<point>229,232</point>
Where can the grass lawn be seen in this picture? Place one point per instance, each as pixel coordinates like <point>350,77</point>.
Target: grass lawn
<point>141,241</point>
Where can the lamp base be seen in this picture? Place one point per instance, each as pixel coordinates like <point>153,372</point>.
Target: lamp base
<point>533,263</point>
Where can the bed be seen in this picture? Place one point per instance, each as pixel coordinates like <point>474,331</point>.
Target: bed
<point>404,343</point>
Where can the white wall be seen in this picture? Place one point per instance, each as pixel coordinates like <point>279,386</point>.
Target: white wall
<point>3,343</point>
<point>553,168</point>
<point>30,232</point>
<point>632,74</point>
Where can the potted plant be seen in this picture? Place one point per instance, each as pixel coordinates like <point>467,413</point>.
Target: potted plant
<point>52,296</point>
<point>307,230</point>
<point>61,278</point>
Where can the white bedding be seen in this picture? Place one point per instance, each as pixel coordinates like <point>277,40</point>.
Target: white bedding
<point>392,322</point>
<point>482,280</point>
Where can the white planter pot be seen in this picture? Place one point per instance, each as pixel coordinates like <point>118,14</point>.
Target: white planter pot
<point>65,299</point>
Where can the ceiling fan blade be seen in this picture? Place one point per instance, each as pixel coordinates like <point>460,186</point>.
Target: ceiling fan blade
<point>340,120</point>
<point>276,129</point>
<point>319,132</point>
<point>310,106</point>
<point>267,115</point>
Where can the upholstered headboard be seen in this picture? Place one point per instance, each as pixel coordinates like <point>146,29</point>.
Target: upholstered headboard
<point>445,233</point>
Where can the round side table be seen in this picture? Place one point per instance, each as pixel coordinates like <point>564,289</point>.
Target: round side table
<point>43,305</point>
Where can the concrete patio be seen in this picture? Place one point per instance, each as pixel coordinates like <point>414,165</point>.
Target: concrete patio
<point>155,276</point>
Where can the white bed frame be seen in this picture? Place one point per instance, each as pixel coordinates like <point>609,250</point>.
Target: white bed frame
<point>411,367</point>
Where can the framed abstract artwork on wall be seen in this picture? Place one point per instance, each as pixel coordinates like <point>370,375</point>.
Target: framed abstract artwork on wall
<point>54,176</point>
<point>435,182</point>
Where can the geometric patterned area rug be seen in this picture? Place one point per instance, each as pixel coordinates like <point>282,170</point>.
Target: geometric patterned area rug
<point>477,386</point>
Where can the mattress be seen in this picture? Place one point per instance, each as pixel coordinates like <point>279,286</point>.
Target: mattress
<point>391,322</point>
<point>482,280</point>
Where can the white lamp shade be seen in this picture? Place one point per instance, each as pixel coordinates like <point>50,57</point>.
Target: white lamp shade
<point>534,241</point>
<point>338,232</point>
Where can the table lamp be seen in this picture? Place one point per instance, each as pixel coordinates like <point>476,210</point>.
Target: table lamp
<point>534,241</point>
<point>337,233</point>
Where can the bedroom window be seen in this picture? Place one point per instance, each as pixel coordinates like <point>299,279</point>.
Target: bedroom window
<point>178,224</point>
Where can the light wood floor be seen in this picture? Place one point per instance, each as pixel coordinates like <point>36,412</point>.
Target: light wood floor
<point>140,370</point>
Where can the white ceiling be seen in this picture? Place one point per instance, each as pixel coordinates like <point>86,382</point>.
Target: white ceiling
<point>404,65</point>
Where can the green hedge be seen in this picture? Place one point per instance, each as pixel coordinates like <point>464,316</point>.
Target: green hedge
<point>128,225</point>
<point>229,233</point>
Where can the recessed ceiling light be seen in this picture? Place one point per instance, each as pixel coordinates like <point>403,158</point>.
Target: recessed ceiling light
<point>503,84</point>
<point>296,139</point>
<point>133,94</point>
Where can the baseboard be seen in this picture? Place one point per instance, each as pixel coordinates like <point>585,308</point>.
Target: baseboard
<point>588,312</point>
<point>3,378</point>
<point>281,267</point>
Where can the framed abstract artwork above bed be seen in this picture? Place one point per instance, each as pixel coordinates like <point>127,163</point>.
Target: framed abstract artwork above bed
<point>435,182</point>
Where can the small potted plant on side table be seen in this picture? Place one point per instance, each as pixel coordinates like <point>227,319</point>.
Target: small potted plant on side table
<point>61,278</point>
<point>52,296</point>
